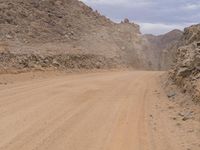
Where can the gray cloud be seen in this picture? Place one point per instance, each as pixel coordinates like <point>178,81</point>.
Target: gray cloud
<point>154,16</point>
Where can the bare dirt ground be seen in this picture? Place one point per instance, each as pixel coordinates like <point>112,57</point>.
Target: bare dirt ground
<point>125,110</point>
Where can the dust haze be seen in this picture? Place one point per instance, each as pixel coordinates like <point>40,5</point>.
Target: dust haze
<point>71,78</point>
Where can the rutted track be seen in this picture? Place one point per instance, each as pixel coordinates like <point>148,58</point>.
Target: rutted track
<point>97,111</point>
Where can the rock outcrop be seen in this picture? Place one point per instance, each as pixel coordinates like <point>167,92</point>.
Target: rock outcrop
<point>186,72</point>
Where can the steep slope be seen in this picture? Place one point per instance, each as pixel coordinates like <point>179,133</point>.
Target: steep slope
<point>67,34</point>
<point>186,72</point>
<point>51,33</point>
<point>162,47</point>
<point>47,20</point>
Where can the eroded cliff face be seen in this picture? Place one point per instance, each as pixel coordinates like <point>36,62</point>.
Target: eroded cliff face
<point>186,71</point>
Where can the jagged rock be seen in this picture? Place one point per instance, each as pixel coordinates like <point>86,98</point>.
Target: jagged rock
<point>197,62</point>
<point>126,20</point>
<point>186,115</point>
<point>171,94</point>
<point>184,72</point>
<point>56,63</point>
<point>9,36</point>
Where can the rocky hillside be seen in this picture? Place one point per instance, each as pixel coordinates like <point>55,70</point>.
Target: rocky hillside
<point>162,47</point>
<point>36,34</point>
<point>186,72</point>
<point>47,20</point>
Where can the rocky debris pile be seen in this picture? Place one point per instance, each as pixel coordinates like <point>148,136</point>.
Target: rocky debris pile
<point>28,62</point>
<point>186,72</point>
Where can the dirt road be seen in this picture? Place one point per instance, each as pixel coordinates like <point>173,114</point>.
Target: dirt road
<point>94,111</point>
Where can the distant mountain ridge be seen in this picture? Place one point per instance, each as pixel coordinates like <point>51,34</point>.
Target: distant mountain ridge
<point>162,46</point>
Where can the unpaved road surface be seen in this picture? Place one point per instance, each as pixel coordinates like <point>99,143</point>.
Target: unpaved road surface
<point>93,111</point>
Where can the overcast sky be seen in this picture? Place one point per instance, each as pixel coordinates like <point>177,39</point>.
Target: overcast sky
<point>154,16</point>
